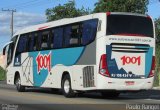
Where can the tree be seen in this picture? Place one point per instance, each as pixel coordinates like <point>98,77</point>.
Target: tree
<point>67,10</point>
<point>135,6</point>
<point>157,27</point>
<point>157,75</point>
<point>2,74</point>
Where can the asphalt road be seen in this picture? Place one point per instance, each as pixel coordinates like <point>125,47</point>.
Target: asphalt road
<point>44,99</point>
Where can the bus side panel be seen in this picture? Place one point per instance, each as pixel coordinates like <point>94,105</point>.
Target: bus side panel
<point>27,70</point>
<point>10,75</point>
<point>53,79</point>
<point>81,68</point>
<point>84,77</point>
<point>16,68</point>
<point>23,65</point>
<point>48,65</point>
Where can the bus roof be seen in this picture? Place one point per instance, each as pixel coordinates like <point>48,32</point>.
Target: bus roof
<point>66,21</point>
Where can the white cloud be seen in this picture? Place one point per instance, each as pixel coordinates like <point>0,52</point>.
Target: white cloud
<point>4,17</point>
<point>4,30</point>
<point>21,20</point>
<point>26,19</point>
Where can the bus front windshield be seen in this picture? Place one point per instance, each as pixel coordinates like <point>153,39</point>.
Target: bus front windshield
<point>129,25</point>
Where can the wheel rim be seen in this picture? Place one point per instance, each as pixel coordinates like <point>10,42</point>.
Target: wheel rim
<point>18,83</point>
<point>66,86</point>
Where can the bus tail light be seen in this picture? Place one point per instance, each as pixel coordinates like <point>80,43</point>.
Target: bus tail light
<point>108,13</point>
<point>103,69</point>
<point>152,71</point>
<point>149,17</point>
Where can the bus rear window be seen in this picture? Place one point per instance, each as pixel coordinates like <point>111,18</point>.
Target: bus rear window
<point>129,25</point>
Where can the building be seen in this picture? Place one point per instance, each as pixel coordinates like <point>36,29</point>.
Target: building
<point>2,60</point>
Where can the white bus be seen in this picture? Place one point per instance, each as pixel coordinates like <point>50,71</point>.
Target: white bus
<point>105,52</point>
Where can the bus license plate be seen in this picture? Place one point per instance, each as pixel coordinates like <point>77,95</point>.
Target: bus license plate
<point>129,83</point>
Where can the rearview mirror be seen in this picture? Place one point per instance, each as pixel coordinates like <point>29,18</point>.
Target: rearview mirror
<point>4,50</point>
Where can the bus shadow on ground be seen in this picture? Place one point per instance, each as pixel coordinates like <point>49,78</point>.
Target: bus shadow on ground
<point>44,90</point>
<point>150,94</point>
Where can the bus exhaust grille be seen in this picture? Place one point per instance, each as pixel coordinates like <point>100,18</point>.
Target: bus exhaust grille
<point>137,48</point>
<point>88,76</point>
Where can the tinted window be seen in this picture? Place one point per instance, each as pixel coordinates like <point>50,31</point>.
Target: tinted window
<point>75,35</point>
<point>51,39</point>
<point>10,54</point>
<point>30,42</point>
<point>131,25</point>
<point>67,35</point>
<point>10,50</point>
<point>72,35</point>
<point>34,42</point>
<point>58,37</point>
<point>14,39</point>
<point>22,44</point>
<point>45,40</point>
<point>89,31</point>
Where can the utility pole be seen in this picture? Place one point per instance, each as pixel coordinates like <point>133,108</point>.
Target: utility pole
<point>12,12</point>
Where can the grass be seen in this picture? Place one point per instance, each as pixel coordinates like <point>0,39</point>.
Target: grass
<point>2,74</point>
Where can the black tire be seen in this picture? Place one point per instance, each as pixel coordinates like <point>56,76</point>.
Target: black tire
<point>19,87</point>
<point>66,87</point>
<point>110,94</point>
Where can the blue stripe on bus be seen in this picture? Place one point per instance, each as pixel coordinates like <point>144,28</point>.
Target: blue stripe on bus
<point>148,61</point>
<point>113,67</point>
<point>67,57</point>
<point>112,64</point>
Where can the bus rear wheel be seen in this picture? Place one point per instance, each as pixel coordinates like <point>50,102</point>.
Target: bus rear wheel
<point>66,87</point>
<point>19,87</point>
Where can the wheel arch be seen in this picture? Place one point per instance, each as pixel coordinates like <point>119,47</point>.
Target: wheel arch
<point>16,75</point>
<point>64,74</point>
<point>70,92</point>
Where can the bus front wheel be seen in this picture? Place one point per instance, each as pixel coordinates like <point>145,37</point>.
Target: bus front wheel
<point>66,87</point>
<point>19,87</point>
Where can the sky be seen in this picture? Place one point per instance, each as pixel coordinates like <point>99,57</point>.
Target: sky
<point>31,12</point>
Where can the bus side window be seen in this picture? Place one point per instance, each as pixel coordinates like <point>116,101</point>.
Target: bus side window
<point>74,40</point>
<point>22,44</point>
<point>67,35</point>
<point>9,54</point>
<point>34,42</point>
<point>58,37</point>
<point>89,31</point>
<point>51,39</point>
<point>14,39</point>
<point>45,40</point>
<point>30,43</point>
<point>37,42</point>
<point>10,49</point>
